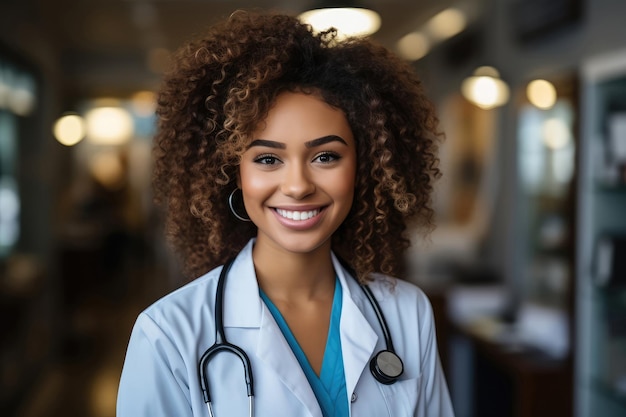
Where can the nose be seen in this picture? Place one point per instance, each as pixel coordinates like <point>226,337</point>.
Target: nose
<point>297,182</point>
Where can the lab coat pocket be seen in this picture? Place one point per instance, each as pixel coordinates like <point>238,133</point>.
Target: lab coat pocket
<point>402,397</point>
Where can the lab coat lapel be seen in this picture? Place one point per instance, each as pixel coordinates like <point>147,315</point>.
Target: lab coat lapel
<point>274,350</point>
<point>244,308</point>
<point>358,338</point>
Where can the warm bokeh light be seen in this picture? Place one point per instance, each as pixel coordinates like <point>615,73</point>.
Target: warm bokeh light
<point>69,129</point>
<point>107,169</point>
<point>349,21</point>
<point>541,94</point>
<point>413,46</point>
<point>556,134</point>
<point>446,24</point>
<point>485,88</point>
<point>109,125</point>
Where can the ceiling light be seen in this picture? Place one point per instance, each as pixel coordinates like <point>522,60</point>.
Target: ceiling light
<point>541,94</point>
<point>437,29</point>
<point>446,24</point>
<point>109,125</point>
<point>485,88</point>
<point>413,46</point>
<point>349,21</point>
<point>69,129</point>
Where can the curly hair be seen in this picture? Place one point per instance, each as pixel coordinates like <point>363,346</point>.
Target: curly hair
<point>223,84</point>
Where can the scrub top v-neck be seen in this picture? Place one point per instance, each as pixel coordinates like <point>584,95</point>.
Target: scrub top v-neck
<point>330,387</point>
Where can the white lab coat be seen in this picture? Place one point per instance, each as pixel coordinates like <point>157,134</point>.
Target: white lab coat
<point>160,375</point>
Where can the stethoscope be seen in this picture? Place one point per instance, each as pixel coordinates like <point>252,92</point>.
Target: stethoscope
<point>386,366</point>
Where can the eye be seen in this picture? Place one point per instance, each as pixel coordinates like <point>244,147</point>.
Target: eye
<point>266,159</point>
<point>327,157</point>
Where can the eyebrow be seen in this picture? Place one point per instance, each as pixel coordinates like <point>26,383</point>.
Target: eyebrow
<point>323,140</point>
<point>267,143</point>
<point>310,144</point>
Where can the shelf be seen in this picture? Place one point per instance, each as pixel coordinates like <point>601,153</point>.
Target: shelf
<point>601,324</point>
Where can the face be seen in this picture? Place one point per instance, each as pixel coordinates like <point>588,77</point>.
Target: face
<point>298,174</point>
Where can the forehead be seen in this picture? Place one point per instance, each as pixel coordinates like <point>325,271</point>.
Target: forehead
<point>296,115</point>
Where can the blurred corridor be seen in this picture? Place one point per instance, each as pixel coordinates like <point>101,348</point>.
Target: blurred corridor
<point>525,270</point>
<point>63,346</point>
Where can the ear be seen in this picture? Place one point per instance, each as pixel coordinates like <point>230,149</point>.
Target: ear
<point>238,179</point>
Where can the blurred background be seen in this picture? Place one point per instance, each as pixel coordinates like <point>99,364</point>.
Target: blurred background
<point>526,269</point>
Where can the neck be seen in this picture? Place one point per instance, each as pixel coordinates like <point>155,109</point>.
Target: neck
<point>294,276</point>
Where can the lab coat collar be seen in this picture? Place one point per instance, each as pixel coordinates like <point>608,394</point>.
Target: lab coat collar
<point>242,304</point>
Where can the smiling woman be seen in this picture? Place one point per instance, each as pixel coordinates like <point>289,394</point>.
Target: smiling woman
<point>331,146</point>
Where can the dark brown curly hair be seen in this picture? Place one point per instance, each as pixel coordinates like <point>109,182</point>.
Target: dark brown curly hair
<point>223,84</point>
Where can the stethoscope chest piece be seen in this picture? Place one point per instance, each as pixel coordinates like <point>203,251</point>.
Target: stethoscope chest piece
<point>386,367</point>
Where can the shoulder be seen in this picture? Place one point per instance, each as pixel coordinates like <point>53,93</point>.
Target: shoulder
<point>185,304</point>
<point>191,308</point>
<point>388,288</point>
<point>403,303</point>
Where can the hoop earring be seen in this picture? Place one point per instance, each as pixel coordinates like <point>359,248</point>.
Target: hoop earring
<point>232,209</point>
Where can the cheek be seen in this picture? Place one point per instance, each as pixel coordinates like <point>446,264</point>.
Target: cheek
<point>253,185</point>
<point>347,187</point>
<point>246,177</point>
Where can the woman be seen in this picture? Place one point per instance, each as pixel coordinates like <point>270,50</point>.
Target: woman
<point>303,159</point>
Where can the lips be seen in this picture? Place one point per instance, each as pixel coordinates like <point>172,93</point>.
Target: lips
<point>298,215</point>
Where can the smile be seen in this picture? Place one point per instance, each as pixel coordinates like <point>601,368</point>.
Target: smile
<point>298,215</point>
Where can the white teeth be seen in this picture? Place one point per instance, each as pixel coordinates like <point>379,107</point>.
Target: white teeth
<point>297,215</point>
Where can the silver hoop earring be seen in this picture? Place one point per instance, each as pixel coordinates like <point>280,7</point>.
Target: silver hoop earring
<point>232,209</point>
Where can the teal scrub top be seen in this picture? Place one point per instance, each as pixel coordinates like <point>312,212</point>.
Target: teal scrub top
<point>330,387</point>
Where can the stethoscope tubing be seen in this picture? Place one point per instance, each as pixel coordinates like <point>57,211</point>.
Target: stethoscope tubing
<point>222,345</point>
<point>379,315</point>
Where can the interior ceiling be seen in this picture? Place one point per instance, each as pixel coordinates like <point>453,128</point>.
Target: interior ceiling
<point>105,44</point>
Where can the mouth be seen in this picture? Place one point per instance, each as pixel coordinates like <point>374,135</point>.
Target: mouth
<point>298,215</point>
